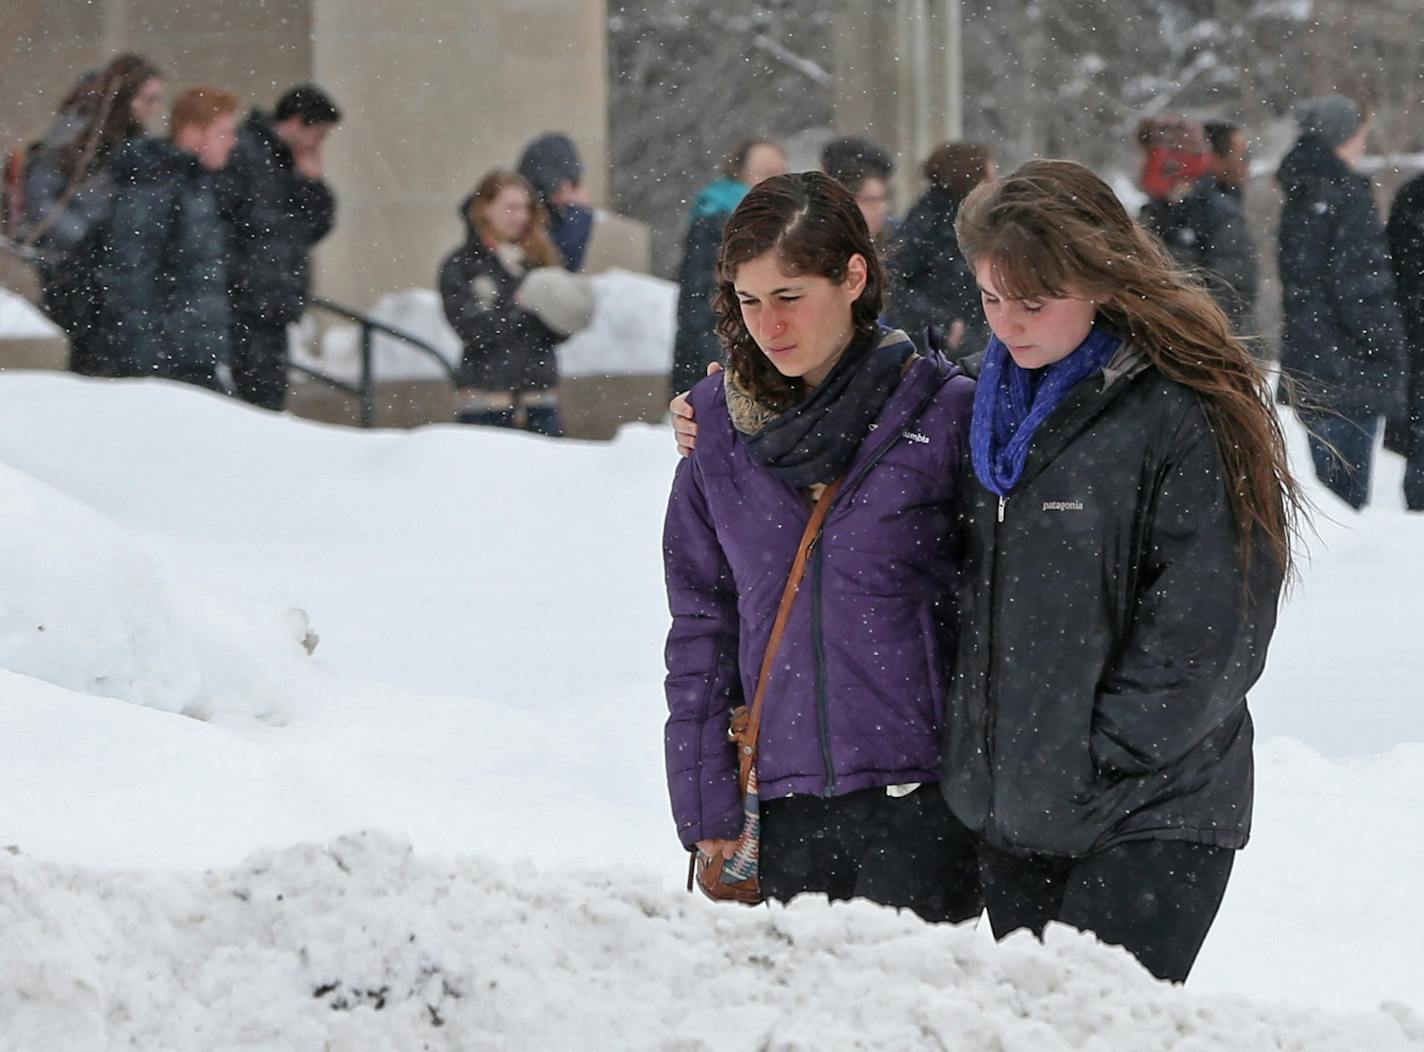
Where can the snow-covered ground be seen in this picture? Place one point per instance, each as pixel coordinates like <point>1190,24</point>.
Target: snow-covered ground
<point>447,827</point>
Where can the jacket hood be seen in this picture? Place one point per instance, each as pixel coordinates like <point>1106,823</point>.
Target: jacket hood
<point>1311,162</point>
<point>150,158</point>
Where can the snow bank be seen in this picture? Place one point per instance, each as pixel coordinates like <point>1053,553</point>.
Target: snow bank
<point>631,334</point>
<point>84,607</point>
<point>21,320</point>
<point>360,945</point>
<point>520,578</point>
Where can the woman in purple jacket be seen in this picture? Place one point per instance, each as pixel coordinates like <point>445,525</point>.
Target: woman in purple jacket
<point>816,390</point>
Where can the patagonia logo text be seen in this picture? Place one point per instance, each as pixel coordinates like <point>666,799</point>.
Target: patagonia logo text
<point>1063,505</point>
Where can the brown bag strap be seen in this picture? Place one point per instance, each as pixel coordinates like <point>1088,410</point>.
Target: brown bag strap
<point>747,739</point>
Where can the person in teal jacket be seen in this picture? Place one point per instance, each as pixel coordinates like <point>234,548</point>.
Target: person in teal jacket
<point>696,344</point>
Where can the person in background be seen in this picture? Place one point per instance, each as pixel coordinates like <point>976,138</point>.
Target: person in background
<point>1342,344</point>
<point>931,284</point>
<point>819,403</point>
<point>863,168</point>
<point>1405,233</point>
<point>1202,226</point>
<point>68,191</point>
<point>551,165</point>
<point>277,206</point>
<point>508,299</point>
<point>165,245</point>
<point>696,343</point>
<point>1228,157</point>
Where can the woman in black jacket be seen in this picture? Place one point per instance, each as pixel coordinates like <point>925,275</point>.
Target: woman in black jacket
<point>508,374</point>
<point>69,192</point>
<point>931,285</point>
<point>1128,538</point>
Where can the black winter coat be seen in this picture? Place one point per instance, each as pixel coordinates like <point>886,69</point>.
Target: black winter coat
<point>1405,233</point>
<point>697,342</point>
<point>1207,231</point>
<point>507,348</point>
<point>931,283</point>
<point>274,216</point>
<point>1106,644</point>
<point>164,271</point>
<point>1342,338</point>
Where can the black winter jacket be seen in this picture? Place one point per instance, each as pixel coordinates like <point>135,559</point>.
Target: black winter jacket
<point>931,283</point>
<point>697,342</point>
<point>1106,644</point>
<point>507,348</point>
<point>1206,230</point>
<point>164,271</point>
<point>1405,232</point>
<point>1342,338</point>
<point>274,216</point>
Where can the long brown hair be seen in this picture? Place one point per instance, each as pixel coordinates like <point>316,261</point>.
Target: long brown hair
<point>814,226</point>
<point>538,249</point>
<point>1054,229</point>
<point>105,100</point>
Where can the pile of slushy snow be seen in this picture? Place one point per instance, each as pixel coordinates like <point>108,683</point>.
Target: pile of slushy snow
<point>488,689</point>
<point>361,945</point>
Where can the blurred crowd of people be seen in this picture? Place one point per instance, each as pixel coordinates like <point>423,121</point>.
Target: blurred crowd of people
<point>183,256</point>
<point>1352,288</point>
<point>187,256</point>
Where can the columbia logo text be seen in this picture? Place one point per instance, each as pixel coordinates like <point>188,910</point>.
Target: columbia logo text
<point>1063,505</point>
<point>915,436</point>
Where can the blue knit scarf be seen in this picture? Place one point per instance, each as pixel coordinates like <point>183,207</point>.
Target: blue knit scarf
<point>1010,404</point>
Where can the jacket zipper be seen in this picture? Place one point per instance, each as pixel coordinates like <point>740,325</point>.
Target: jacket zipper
<point>823,704</point>
<point>990,711</point>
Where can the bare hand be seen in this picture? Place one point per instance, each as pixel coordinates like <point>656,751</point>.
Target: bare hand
<point>684,430</point>
<point>957,331</point>
<point>711,847</point>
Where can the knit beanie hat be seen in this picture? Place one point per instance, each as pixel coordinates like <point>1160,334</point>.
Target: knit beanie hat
<point>1333,118</point>
<point>548,160</point>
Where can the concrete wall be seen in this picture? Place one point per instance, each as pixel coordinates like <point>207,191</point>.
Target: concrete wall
<point>898,81</point>
<point>436,93</point>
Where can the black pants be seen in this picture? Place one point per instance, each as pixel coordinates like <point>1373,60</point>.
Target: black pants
<point>1155,898</point>
<point>259,361</point>
<point>1343,448</point>
<point>909,852</point>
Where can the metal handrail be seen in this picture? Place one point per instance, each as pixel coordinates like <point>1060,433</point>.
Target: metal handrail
<point>365,387</point>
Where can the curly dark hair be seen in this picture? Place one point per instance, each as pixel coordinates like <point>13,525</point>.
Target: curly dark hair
<point>814,226</point>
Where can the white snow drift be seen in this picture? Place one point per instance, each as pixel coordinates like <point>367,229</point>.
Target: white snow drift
<point>364,842</point>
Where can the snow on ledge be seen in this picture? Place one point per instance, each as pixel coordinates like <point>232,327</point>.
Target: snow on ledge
<point>21,320</point>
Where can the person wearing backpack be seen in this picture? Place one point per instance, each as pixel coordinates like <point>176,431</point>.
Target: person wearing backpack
<point>66,193</point>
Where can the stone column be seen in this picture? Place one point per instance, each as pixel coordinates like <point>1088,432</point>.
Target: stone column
<point>899,80</point>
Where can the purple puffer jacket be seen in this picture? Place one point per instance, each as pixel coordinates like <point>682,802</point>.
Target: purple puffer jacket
<point>857,691</point>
